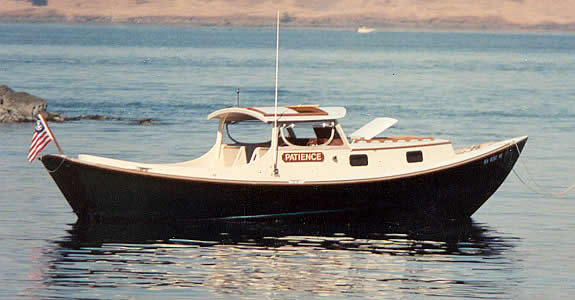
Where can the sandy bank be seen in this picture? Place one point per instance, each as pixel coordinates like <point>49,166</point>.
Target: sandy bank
<point>490,15</point>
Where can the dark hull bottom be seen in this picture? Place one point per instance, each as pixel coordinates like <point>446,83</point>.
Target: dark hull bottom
<point>100,194</point>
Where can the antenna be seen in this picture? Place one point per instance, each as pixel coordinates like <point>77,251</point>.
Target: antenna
<point>238,96</point>
<point>277,68</point>
<point>275,129</point>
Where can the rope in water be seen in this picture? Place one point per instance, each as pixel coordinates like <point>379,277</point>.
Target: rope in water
<point>538,189</point>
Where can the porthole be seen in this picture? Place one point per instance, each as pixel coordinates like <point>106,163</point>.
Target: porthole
<point>414,156</point>
<point>356,160</point>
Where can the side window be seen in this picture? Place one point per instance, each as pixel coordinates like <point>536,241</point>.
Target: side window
<point>358,160</point>
<point>414,156</point>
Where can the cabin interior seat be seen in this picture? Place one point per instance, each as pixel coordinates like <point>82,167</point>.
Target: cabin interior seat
<point>229,154</point>
<point>237,155</point>
<point>258,152</point>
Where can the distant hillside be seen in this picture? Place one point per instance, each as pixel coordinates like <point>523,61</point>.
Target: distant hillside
<point>414,14</point>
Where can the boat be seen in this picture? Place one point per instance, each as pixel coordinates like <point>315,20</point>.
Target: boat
<point>301,163</point>
<point>280,162</point>
<point>364,29</point>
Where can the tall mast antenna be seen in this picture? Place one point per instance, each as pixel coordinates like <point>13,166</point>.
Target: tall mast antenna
<point>275,130</point>
<point>277,69</point>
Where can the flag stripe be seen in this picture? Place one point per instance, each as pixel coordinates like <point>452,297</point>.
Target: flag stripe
<point>35,153</point>
<point>34,138</point>
<point>31,158</point>
<point>45,140</point>
<point>40,147</point>
<point>37,138</point>
<point>40,139</point>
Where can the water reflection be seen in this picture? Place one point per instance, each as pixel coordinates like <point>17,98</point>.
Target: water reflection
<point>276,260</point>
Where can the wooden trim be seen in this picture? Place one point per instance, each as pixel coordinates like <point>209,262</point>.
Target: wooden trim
<point>307,109</point>
<point>395,139</point>
<point>400,147</point>
<point>318,112</point>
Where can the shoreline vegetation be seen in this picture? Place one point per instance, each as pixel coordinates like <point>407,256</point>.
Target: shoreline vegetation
<point>383,15</point>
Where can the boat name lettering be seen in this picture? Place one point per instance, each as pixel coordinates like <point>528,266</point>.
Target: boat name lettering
<point>302,157</point>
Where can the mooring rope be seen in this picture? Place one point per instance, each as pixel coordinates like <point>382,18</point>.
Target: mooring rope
<point>538,189</point>
<point>58,167</point>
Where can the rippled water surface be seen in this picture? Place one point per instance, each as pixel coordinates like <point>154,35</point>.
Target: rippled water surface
<point>466,87</point>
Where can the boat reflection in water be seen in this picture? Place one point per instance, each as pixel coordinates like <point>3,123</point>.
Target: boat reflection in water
<point>279,260</point>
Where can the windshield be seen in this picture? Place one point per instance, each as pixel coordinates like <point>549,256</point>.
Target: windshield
<point>247,132</point>
<point>291,134</point>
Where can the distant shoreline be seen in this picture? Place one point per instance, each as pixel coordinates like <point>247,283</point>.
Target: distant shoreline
<point>342,23</point>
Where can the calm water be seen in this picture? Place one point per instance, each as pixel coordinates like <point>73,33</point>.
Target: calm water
<point>466,87</point>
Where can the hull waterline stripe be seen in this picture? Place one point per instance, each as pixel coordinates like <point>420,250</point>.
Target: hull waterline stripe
<point>285,214</point>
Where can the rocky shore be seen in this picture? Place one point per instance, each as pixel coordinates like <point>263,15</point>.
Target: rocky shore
<point>19,107</point>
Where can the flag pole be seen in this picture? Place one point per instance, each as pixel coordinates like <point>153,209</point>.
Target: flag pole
<point>50,133</point>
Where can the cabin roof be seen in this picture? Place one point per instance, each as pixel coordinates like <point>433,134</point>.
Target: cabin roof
<point>293,113</point>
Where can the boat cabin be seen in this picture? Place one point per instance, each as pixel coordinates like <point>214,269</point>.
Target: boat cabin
<point>305,143</point>
<point>311,137</point>
<point>245,134</point>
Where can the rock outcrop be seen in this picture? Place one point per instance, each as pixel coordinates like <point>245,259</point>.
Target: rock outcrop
<point>19,106</point>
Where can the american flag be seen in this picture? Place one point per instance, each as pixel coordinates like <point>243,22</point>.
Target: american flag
<point>41,138</point>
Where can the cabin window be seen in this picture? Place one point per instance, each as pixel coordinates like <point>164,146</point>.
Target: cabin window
<point>310,134</point>
<point>356,160</point>
<point>414,156</point>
